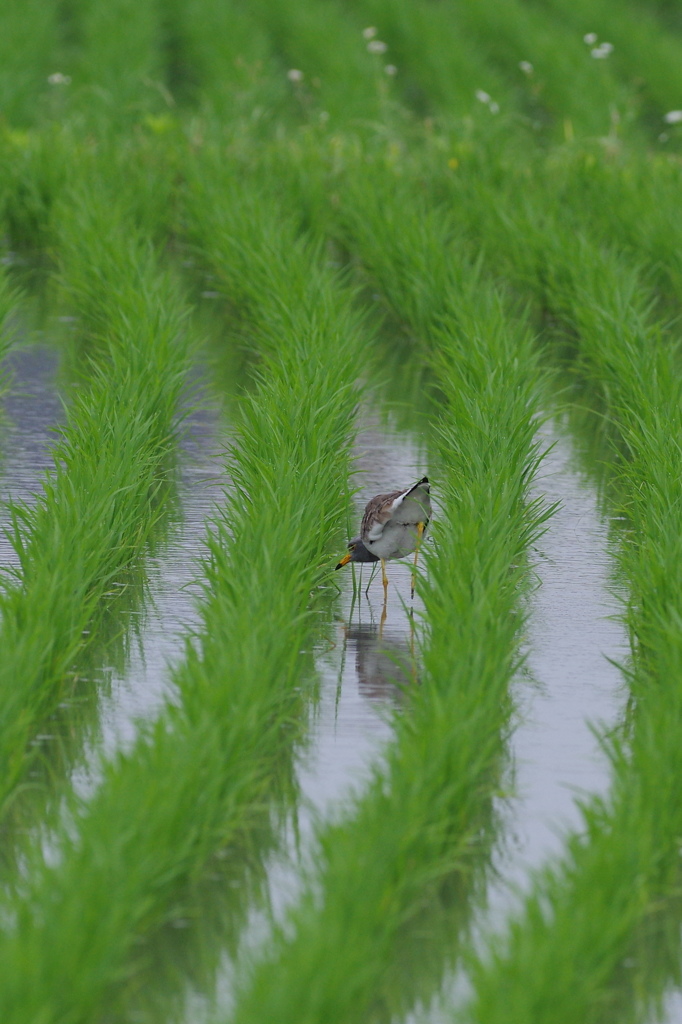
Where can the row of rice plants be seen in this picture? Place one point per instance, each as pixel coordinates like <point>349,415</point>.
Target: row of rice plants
<point>604,287</point>
<point>29,41</point>
<point>126,62</point>
<point>192,790</point>
<point>580,948</point>
<point>510,58</point>
<point>101,500</point>
<point>516,59</point>
<point>643,51</point>
<point>197,815</point>
<point>413,848</point>
<point>221,59</point>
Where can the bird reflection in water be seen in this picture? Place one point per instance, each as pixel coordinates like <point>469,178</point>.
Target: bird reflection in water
<point>384,660</point>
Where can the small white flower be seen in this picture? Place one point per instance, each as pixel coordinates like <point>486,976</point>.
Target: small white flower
<point>590,38</point>
<point>484,97</point>
<point>526,67</point>
<point>391,70</point>
<point>376,46</point>
<point>369,32</point>
<point>673,117</point>
<point>294,75</point>
<point>58,78</point>
<point>602,51</point>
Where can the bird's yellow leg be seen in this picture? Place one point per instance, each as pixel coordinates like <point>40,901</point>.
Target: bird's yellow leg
<point>420,531</point>
<point>384,578</point>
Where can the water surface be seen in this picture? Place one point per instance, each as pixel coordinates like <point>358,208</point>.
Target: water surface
<point>32,413</point>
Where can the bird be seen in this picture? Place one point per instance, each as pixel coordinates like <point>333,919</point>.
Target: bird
<point>392,527</point>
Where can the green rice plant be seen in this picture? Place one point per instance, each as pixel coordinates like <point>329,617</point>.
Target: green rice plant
<point>29,60</point>
<point>100,501</point>
<point>74,725</point>
<point>587,917</point>
<point>223,62</point>
<point>608,315</point>
<point>340,80</point>
<point>193,787</point>
<point>34,168</point>
<point>118,72</point>
<point>413,848</point>
<point>626,204</point>
<point>431,77</point>
<point>9,301</point>
<point>644,54</point>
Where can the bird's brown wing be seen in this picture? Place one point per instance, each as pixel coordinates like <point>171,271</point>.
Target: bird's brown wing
<point>409,507</point>
<point>377,513</point>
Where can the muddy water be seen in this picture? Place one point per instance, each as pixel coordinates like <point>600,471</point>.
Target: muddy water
<point>362,677</point>
<point>671,1011</point>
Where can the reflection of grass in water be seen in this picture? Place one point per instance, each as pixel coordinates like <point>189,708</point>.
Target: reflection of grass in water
<point>74,724</point>
<point>187,949</point>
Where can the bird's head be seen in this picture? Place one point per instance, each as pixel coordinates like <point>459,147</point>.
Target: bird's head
<point>357,552</point>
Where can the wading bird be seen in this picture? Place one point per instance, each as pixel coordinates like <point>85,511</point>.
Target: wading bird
<point>392,527</point>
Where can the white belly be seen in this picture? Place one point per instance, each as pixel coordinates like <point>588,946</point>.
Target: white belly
<point>396,541</point>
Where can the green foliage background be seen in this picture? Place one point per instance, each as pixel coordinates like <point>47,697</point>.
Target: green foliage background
<point>503,177</point>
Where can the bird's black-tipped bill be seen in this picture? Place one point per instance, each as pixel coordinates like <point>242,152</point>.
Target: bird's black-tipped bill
<point>345,560</point>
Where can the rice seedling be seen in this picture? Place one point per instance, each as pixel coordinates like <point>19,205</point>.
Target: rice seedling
<point>118,66</point>
<point>637,46</point>
<point>402,137</point>
<point>102,498</point>
<point>9,301</point>
<point>508,59</point>
<point>431,78</point>
<point>193,786</point>
<point>221,60</point>
<point>609,315</point>
<point>315,71</point>
<point>563,958</point>
<point>414,846</point>
<point>29,62</point>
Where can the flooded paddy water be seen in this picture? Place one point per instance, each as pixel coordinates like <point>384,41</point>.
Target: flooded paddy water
<point>127,672</point>
<point>567,684</point>
<point>362,678</point>
<point>570,685</point>
<point>32,411</point>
